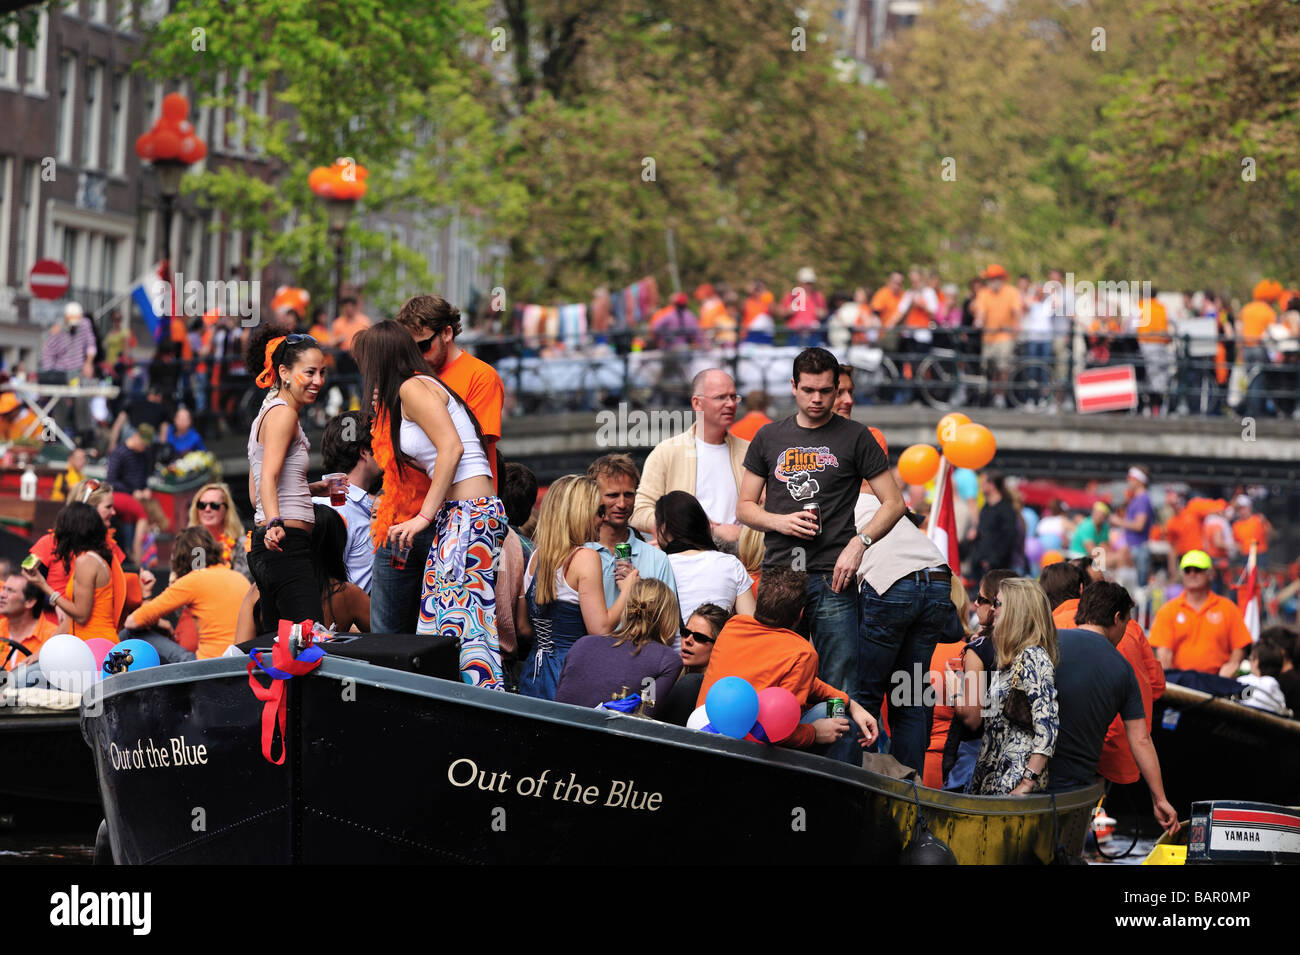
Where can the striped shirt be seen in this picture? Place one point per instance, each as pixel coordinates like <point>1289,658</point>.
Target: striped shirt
<point>68,348</point>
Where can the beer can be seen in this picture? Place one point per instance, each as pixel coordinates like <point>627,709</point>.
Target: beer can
<point>816,511</point>
<point>836,709</point>
<point>623,551</point>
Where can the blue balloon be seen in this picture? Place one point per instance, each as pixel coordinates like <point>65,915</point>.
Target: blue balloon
<point>1031,520</point>
<point>143,655</point>
<point>1051,541</point>
<point>732,706</point>
<point>966,483</point>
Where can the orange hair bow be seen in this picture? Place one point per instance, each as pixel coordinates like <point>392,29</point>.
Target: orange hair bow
<point>267,376</point>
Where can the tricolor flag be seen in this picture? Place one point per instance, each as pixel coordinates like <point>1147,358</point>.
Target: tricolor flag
<point>1248,595</point>
<point>152,295</point>
<point>942,524</point>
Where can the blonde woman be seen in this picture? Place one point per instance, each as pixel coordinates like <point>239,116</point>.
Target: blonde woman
<point>1022,720</point>
<point>564,588</point>
<point>633,658</point>
<point>213,509</point>
<point>752,549</point>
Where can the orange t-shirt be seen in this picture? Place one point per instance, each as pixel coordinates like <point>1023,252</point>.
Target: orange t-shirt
<point>944,714</point>
<point>755,306</point>
<point>480,386</point>
<point>1248,530</point>
<point>1200,639</point>
<point>1153,323</point>
<point>712,312</point>
<point>345,329</point>
<point>106,610</point>
<point>884,303</point>
<point>1001,310</point>
<point>748,426</point>
<point>768,656</point>
<point>1254,320</point>
<point>1063,615</point>
<point>44,630</point>
<point>1183,531</point>
<point>213,595</point>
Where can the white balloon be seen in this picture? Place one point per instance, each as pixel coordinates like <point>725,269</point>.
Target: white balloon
<point>699,719</point>
<point>67,663</point>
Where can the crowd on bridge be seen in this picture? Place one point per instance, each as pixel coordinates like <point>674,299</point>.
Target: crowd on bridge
<point>787,552</point>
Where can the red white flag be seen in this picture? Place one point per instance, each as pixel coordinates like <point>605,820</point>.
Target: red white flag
<point>1113,388</point>
<point>942,525</point>
<point>1248,596</point>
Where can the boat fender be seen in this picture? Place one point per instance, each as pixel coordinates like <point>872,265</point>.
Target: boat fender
<point>925,848</point>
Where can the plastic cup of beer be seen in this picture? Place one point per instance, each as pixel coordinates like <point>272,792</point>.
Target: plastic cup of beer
<point>338,485</point>
<point>397,555</point>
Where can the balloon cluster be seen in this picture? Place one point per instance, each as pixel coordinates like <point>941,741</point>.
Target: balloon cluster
<point>343,180</point>
<point>71,664</point>
<point>734,708</point>
<point>172,137</point>
<point>286,296</point>
<point>965,445</point>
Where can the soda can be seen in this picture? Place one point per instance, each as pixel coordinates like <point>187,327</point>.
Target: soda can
<point>623,551</point>
<point>816,511</point>
<point>836,709</point>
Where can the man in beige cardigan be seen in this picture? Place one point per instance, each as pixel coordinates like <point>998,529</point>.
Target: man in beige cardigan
<point>706,460</point>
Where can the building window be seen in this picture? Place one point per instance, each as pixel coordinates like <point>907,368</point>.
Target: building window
<point>99,11</point>
<point>219,117</point>
<point>117,131</point>
<point>237,141</point>
<point>90,128</point>
<point>6,170</point>
<point>34,58</point>
<point>68,245</point>
<point>108,265</point>
<point>27,218</point>
<point>67,101</point>
<point>9,58</point>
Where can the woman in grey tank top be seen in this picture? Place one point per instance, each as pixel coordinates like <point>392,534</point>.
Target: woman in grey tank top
<point>292,367</point>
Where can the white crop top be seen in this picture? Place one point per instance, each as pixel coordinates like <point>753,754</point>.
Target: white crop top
<point>417,444</point>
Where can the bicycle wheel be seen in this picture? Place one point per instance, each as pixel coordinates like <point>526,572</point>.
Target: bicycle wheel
<point>1024,390</point>
<point>937,382</point>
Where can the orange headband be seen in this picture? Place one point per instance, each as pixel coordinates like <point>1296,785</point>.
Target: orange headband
<point>267,377</point>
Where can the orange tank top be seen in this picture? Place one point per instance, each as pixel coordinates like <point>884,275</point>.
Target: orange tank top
<point>106,609</point>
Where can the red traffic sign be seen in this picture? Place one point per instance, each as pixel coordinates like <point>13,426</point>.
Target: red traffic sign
<point>49,279</point>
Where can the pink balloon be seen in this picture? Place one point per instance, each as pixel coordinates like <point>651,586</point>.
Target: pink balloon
<point>778,712</point>
<point>99,647</point>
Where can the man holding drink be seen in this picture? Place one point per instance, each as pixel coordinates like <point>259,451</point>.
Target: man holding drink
<point>812,466</point>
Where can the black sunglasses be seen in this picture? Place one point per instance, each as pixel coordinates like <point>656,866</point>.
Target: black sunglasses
<point>424,344</point>
<point>696,636</point>
<point>981,599</point>
<point>297,338</point>
<point>209,505</point>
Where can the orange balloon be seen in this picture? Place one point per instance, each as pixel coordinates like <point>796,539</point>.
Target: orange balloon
<point>1051,557</point>
<point>918,464</point>
<point>167,143</point>
<point>972,447</point>
<point>949,424</point>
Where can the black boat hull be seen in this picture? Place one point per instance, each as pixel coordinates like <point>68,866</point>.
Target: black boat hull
<point>44,759</point>
<point>392,767</point>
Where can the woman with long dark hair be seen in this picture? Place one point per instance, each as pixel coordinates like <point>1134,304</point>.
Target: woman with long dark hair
<point>292,369</point>
<point>703,573</point>
<point>436,437</point>
<point>96,589</point>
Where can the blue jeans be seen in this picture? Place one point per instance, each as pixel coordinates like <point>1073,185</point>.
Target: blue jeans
<point>1142,562</point>
<point>1038,355</point>
<point>395,595</point>
<point>832,622</point>
<point>896,637</point>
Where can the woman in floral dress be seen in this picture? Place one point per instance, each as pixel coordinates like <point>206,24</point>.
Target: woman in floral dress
<point>1019,731</point>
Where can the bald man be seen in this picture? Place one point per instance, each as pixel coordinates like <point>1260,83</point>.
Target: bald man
<point>706,460</point>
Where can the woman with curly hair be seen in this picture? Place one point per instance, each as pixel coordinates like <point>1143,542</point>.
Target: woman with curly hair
<point>96,590</point>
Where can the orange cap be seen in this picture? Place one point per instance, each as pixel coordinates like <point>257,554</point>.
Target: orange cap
<point>995,272</point>
<point>1269,290</point>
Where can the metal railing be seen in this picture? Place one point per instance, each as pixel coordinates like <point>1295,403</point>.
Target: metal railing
<point>940,368</point>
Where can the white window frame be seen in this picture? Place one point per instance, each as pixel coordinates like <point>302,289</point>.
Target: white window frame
<point>93,125</point>
<point>67,105</point>
<point>99,12</point>
<point>37,85</point>
<point>121,112</point>
<point>29,202</point>
<point>218,141</point>
<point>8,185</point>
<point>9,60</point>
<point>239,142</point>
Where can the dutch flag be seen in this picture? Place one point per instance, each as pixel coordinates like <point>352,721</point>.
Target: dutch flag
<point>152,296</point>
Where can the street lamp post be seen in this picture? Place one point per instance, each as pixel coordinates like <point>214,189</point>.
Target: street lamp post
<point>340,185</point>
<point>171,146</point>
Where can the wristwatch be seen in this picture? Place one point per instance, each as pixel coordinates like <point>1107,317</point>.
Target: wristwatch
<point>275,522</point>
<point>1030,775</point>
<point>866,541</point>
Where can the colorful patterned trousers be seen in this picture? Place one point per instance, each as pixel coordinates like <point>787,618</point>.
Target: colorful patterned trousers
<point>459,598</point>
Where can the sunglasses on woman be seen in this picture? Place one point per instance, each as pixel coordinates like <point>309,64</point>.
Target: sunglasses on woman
<point>210,505</point>
<point>298,337</point>
<point>696,636</point>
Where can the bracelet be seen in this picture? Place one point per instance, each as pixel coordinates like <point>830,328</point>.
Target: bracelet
<point>275,522</point>
<point>426,517</point>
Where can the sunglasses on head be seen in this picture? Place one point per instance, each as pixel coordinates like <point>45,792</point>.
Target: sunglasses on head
<point>696,636</point>
<point>297,338</point>
<point>210,505</point>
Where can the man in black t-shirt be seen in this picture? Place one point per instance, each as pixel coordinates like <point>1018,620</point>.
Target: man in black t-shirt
<point>816,457</point>
<point>1093,683</point>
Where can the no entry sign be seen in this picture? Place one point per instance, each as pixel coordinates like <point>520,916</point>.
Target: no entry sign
<point>49,279</point>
